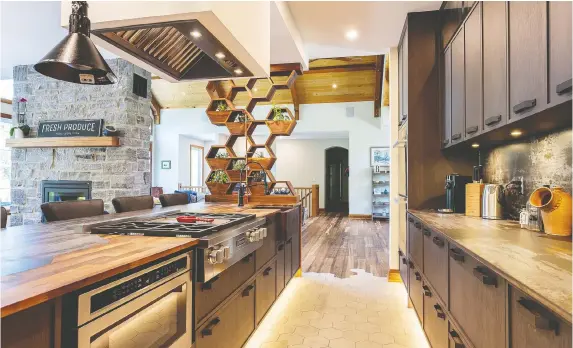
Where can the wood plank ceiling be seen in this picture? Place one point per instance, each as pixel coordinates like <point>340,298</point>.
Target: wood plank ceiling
<point>355,79</point>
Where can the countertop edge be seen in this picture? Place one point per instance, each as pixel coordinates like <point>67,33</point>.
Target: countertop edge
<point>555,308</point>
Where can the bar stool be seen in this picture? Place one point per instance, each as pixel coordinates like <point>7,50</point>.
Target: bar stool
<point>3,217</point>
<point>169,200</point>
<point>58,211</point>
<point>125,204</point>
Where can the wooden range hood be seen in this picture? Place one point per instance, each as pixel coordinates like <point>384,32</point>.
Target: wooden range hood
<point>184,50</point>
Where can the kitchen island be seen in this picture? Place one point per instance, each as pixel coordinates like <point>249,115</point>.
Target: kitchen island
<point>43,263</point>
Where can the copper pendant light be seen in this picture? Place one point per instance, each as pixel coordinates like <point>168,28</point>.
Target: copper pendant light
<point>76,59</point>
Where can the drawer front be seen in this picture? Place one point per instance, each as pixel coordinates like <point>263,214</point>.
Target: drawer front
<point>209,295</point>
<point>415,291</point>
<point>477,300</point>
<point>436,262</point>
<point>266,290</point>
<point>288,260</point>
<point>268,250</point>
<point>416,242</point>
<point>280,267</point>
<point>532,325</point>
<point>454,338</point>
<point>435,322</point>
<point>403,268</point>
<point>231,326</point>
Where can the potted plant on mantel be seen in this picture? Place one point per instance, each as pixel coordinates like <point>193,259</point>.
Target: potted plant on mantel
<point>218,182</point>
<point>234,173</point>
<point>22,129</point>
<point>280,120</point>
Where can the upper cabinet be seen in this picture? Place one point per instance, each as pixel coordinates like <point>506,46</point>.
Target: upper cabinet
<point>403,77</point>
<point>527,58</point>
<point>458,88</point>
<point>447,98</point>
<point>559,51</point>
<point>473,74</point>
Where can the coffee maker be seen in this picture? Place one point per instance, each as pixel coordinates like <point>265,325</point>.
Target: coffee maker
<point>456,193</point>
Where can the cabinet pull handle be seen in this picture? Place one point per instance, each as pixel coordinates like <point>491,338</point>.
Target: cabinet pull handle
<point>247,290</point>
<point>439,242</point>
<point>426,291</point>
<point>247,258</point>
<point>404,261</point>
<point>563,87</point>
<point>209,285</point>
<point>418,276</point>
<point>542,321</point>
<point>410,219</point>
<point>490,121</point>
<point>456,136</point>
<point>411,264</point>
<point>418,225</point>
<point>456,338</point>
<point>528,104</point>
<point>426,232</point>
<point>439,312</point>
<point>445,142</point>
<point>281,246</point>
<point>400,253</point>
<point>471,130</point>
<point>289,241</point>
<point>208,330</point>
<point>456,255</point>
<point>484,276</point>
<point>267,271</point>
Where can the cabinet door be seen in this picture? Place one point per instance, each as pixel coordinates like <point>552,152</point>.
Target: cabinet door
<point>436,262</point>
<point>454,338</point>
<point>458,89</point>
<point>416,290</point>
<point>280,267</point>
<point>288,260</point>
<point>405,72</point>
<point>559,51</point>
<point>268,250</point>
<point>477,300</point>
<point>416,242</point>
<point>447,99</point>
<point>532,325</point>
<point>494,64</point>
<point>403,268</point>
<point>295,259</point>
<point>266,291</point>
<point>473,68</point>
<point>231,326</point>
<point>400,83</point>
<point>435,323</point>
<point>527,58</point>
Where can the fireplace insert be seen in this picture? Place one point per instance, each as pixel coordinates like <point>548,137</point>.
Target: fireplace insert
<point>65,190</point>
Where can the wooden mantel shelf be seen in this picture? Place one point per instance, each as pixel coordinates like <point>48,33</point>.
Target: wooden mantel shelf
<point>64,142</point>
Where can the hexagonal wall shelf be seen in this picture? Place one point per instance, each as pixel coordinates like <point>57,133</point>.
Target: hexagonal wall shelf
<point>240,122</point>
<point>283,126</point>
<point>216,115</point>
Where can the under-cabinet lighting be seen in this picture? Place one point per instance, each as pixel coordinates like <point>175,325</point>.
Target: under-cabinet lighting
<point>475,145</point>
<point>220,55</point>
<point>196,34</point>
<point>516,133</point>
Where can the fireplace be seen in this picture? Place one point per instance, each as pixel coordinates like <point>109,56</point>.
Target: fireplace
<point>65,190</point>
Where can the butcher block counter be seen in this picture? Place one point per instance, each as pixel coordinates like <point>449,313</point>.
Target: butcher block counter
<point>537,264</point>
<point>44,261</point>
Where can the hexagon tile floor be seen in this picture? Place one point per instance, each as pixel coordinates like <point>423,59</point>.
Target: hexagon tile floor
<point>320,310</point>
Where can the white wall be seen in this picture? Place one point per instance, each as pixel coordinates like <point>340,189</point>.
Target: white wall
<point>302,161</point>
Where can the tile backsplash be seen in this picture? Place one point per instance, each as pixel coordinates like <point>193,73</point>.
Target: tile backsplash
<point>540,160</point>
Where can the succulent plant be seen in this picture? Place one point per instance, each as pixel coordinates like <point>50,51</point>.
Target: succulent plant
<point>219,177</point>
<point>259,154</point>
<point>222,155</point>
<point>222,106</point>
<point>240,118</point>
<point>279,114</point>
<point>239,165</point>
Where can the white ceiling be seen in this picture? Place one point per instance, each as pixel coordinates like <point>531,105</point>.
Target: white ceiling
<point>323,24</point>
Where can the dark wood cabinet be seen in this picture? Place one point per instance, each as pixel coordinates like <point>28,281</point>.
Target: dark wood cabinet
<point>268,250</point>
<point>447,99</point>
<point>477,300</point>
<point>33,327</point>
<point>416,290</point>
<point>454,338</point>
<point>458,88</point>
<point>436,262</point>
<point>527,58</point>
<point>403,266</point>
<point>473,74</point>
<point>231,326</point>
<point>288,261</point>
<point>416,242</point>
<point>532,325</point>
<point>293,227</point>
<point>494,64</point>
<point>451,18</point>
<point>280,267</point>
<point>405,72</point>
<point>560,29</point>
<point>435,321</point>
<point>266,290</point>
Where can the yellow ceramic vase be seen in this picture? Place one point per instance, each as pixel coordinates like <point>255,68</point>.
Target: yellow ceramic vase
<point>555,205</point>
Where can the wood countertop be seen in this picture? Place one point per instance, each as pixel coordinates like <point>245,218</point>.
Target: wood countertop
<point>536,263</point>
<point>44,261</point>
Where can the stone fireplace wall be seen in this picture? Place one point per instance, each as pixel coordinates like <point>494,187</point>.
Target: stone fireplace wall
<point>119,171</point>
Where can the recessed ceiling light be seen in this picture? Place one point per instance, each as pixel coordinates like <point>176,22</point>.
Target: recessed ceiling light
<point>220,55</point>
<point>238,71</point>
<point>183,93</point>
<point>196,34</point>
<point>475,145</point>
<point>255,89</point>
<point>334,85</point>
<point>351,35</point>
<point>515,133</point>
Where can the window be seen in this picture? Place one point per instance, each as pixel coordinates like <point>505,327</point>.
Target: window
<point>196,165</point>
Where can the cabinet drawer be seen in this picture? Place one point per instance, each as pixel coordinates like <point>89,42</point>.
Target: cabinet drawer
<point>454,338</point>
<point>532,325</point>
<point>232,325</point>
<point>266,290</point>
<point>280,267</point>
<point>416,291</point>
<point>210,294</point>
<point>435,322</point>
<point>416,242</point>
<point>477,300</point>
<point>403,268</point>
<point>268,250</point>
<point>288,261</point>
<point>436,262</point>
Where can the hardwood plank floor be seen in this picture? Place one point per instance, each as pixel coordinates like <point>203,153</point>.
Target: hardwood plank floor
<point>333,243</point>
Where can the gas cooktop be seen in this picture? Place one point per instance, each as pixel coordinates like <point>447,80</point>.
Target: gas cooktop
<point>168,226</point>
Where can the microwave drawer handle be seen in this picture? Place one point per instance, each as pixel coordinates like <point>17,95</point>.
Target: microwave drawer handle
<point>247,290</point>
<point>563,87</point>
<point>542,321</point>
<point>528,104</point>
<point>209,285</point>
<point>456,255</point>
<point>208,330</point>
<point>490,121</point>
<point>439,311</point>
<point>484,276</point>
<point>438,241</point>
<point>456,338</point>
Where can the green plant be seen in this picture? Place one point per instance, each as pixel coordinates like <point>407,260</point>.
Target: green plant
<point>259,154</point>
<point>222,106</point>
<point>279,114</point>
<point>219,177</point>
<point>222,155</point>
<point>239,165</point>
<point>240,118</point>
<point>25,129</point>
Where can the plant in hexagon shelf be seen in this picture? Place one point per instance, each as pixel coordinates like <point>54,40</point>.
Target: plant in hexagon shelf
<point>218,182</point>
<point>236,166</point>
<point>240,122</point>
<point>280,120</point>
<point>219,110</point>
<point>265,162</point>
<point>218,157</point>
<point>256,179</point>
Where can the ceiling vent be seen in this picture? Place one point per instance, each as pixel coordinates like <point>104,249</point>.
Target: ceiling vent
<point>350,111</point>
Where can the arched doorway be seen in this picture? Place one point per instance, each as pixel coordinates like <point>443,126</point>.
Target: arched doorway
<point>336,180</point>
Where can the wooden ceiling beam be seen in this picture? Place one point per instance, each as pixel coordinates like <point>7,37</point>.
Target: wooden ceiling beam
<point>155,109</point>
<point>286,69</point>
<point>345,68</point>
<point>378,86</point>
